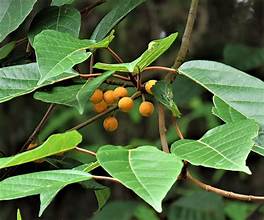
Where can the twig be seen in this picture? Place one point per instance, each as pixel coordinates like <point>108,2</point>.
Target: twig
<point>160,68</point>
<point>178,130</point>
<point>162,129</point>
<point>85,151</point>
<point>91,64</point>
<point>38,128</point>
<point>91,75</point>
<point>224,193</point>
<point>187,35</point>
<point>120,60</point>
<point>106,178</point>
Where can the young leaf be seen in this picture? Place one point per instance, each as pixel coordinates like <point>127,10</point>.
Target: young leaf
<point>56,143</point>
<point>73,95</point>
<point>10,19</point>
<point>6,49</point>
<point>147,171</point>
<point>64,19</point>
<point>119,11</point>
<point>242,92</point>
<point>224,147</point>
<point>191,208</point>
<point>163,92</point>
<point>102,196</point>
<point>225,112</point>
<point>155,49</point>
<point>45,183</point>
<point>61,2</point>
<point>18,215</point>
<point>57,52</point>
<point>22,79</point>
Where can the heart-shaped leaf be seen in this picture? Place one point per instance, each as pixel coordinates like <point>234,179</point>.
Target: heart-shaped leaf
<point>147,171</point>
<point>224,147</point>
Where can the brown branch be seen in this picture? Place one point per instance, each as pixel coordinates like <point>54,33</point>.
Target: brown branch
<point>91,64</point>
<point>160,68</point>
<point>82,150</point>
<point>224,193</point>
<point>38,128</point>
<point>186,35</point>
<point>162,129</point>
<point>106,178</point>
<point>178,130</point>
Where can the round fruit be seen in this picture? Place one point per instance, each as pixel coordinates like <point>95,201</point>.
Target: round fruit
<point>125,104</point>
<point>146,109</point>
<point>110,124</point>
<point>149,85</point>
<point>100,107</point>
<point>109,97</point>
<point>97,96</point>
<point>120,92</point>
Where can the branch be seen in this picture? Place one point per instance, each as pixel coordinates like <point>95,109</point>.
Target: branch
<point>82,150</point>
<point>160,68</point>
<point>162,129</point>
<point>106,178</point>
<point>38,128</point>
<point>187,35</point>
<point>224,193</point>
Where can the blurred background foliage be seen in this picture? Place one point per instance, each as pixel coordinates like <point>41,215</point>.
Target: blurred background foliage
<point>230,31</point>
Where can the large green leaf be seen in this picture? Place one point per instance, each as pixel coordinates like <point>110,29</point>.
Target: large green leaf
<point>224,147</point>
<point>147,171</point>
<point>64,19</point>
<point>6,49</point>
<point>242,92</point>
<point>155,49</point>
<point>164,93</point>
<point>243,57</point>
<point>12,14</point>
<point>57,52</point>
<point>22,79</point>
<point>74,95</point>
<point>197,206</point>
<point>119,11</point>
<point>55,144</point>
<point>43,183</point>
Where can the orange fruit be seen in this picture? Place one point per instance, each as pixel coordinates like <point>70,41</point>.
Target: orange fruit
<point>100,107</point>
<point>125,104</point>
<point>97,96</point>
<point>149,85</point>
<point>146,109</point>
<point>120,92</point>
<point>109,97</point>
<point>110,124</point>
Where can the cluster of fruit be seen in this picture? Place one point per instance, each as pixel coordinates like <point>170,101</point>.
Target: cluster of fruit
<point>101,100</point>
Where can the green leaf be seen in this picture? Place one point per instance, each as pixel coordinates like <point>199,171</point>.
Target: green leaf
<point>197,206</point>
<point>224,147</point>
<point>18,215</point>
<point>12,14</point>
<point>61,2</point>
<point>121,210</point>
<point>6,49</point>
<point>55,144</point>
<point>155,49</point>
<point>102,196</point>
<point>225,112</point>
<point>22,79</point>
<point>240,91</point>
<point>74,95</point>
<point>243,57</point>
<point>147,171</point>
<point>163,92</point>
<point>46,198</point>
<point>44,183</point>
<point>64,19</point>
<point>119,11</point>
<point>144,212</point>
<point>57,52</point>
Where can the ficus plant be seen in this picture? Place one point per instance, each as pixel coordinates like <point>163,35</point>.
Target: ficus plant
<point>53,76</point>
